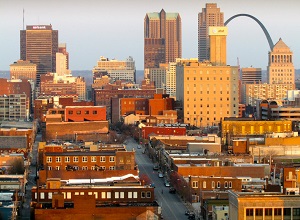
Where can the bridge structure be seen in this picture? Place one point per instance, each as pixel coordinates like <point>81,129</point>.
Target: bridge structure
<point>270,41</point>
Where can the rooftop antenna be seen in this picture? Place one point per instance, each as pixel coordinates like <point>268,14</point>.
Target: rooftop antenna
<point>23,18</point>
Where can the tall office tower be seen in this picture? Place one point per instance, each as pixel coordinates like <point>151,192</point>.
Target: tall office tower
<point>251,75</point>
<point>217,41</point>
<point>115,69</point>
<point>210,16</point>
<point>281,69</point>
<point>162,38</point>
<point>158,76</point>
<point>39,44</point>
<point>171,80</point>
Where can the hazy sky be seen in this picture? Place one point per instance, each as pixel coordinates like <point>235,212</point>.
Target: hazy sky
<point>115,28</point>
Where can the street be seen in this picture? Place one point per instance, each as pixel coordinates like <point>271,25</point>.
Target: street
<point>172,206</point>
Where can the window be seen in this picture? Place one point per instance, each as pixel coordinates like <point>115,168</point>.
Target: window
<point>78,112</point>
<point>148,194</point>
<point>287,211</point>
<point>75,159</point>
<point>94,159</point>
<point>111,168</point>
<point>93,168</point>
<point>102,167</point>
<point>49,168</point>
<point>135,195</point>
<point>49,195</point>
<point>67,159</point>
<point>213,184</point>
<point>121,195</point>
<point>230,184</point>
<point>49,159</point>
<point>70,112</point>
<point>58,159</point>
<point>268,212</point>
<point>86,112</point>
<point>103,195</point>
<point>84,168</point>
<point>84,159</point>
<point>226,184</point>
<point>195,184</point>
<point>249,212</point>
<point>129,195</point>
<point>258,212</point>
<point>102,159</point>
<point>277,211</point>
<point>108,195</point>
<point>57,167</point>
<point>116,195</point>
<point>204,185</point>
<point>143,195</point>
<point>218,184</point>
<point>94,112</point>
<point>296,212</point>
<point>111,159</point>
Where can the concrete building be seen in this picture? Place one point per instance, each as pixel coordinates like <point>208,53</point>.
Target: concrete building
<point>210,16</point>
<point>158,76</point>
<point>171,80</point>
<point>115,69</point>
<point>251,75</point>
<point>62,48</point>
<point>39,44</point>
<point>14,107</point>
<point>23,70</point>
<point>162,38</point>
<point>248,206</point>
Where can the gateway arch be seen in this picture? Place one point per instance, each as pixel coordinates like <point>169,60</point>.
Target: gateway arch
<point>270,41</point>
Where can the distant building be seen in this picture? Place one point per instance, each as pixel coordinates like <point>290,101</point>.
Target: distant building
<point>162,38</point>
<point>39,44</point>
<point>23,70</point>
<point>210,16</point>
<point>251,75</point>
<point>15,107</point>
<point>115,69</point>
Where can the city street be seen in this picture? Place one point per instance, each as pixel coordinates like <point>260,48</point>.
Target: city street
<point>172,206</point>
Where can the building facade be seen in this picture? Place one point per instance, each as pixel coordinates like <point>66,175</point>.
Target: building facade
<point>39,44</point>
<point>162,38</point>
<point>210,16</point>
<point>208,93</point>
<point>23,70</point>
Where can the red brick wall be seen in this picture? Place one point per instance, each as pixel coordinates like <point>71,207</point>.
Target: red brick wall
<point>162,131</point>
<point>92,113</point>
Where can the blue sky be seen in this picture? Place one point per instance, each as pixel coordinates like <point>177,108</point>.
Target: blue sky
<point>115,28</point>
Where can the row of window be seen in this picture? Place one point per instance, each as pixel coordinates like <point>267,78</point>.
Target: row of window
<point>273,211</point>
<point>209,72</point>
<point>82,168</point>
<point>226,184</point>
<point>207,78</point>
<point>99,195</point>
<point>83,159</point>
<point>86,112</point>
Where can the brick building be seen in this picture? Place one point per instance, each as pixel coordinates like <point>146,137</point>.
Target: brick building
<point>85,113</point>
<point>86,202</point>
<point>146,131</point>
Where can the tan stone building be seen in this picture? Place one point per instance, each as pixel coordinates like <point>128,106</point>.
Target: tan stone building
<point>208,93</point>
<point>23,70</point>
<point>257,206</point>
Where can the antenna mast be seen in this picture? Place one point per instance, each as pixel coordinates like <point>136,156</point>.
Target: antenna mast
<point>23,18</point>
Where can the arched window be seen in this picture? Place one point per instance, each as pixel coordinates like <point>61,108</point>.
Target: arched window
<point>213,184</point>
<point>204,185</point>
<point>226,184</point>
<point>230,184</point>
<point>218,184</point>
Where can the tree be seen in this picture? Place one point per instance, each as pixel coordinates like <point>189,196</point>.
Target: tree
<point>16,166</point>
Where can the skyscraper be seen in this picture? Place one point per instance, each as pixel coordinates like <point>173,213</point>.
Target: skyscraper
<point>162,38</point>
<point>39,44</point>
<point>210,16</point>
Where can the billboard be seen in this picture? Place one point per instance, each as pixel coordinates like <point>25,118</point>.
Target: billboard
<point>218,31</point>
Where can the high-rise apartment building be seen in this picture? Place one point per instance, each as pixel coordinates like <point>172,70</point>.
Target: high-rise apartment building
<point>281,69</point>
<point>210,16</point>
<point>115,69</point>
<point>62,61</point>
<point>62,48</point>
<point>162,38</point>
<point>39,44</point>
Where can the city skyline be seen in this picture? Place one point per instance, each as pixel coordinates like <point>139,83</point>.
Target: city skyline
<point>115,29</point>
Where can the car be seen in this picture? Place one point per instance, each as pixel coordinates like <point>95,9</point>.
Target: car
<point>167,184</point>
<point>139,147</point>
<point>155,167</point>
<point>172,190</point>
<point>152,185</point>
<point>160,175</point>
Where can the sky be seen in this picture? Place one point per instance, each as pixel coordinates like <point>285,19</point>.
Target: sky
<point>115,28</point>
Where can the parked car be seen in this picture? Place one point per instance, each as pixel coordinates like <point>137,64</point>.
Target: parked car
<point>172,190</point>
<point>155,167</point>
<point>160,175</point>
<point>167,184</point>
